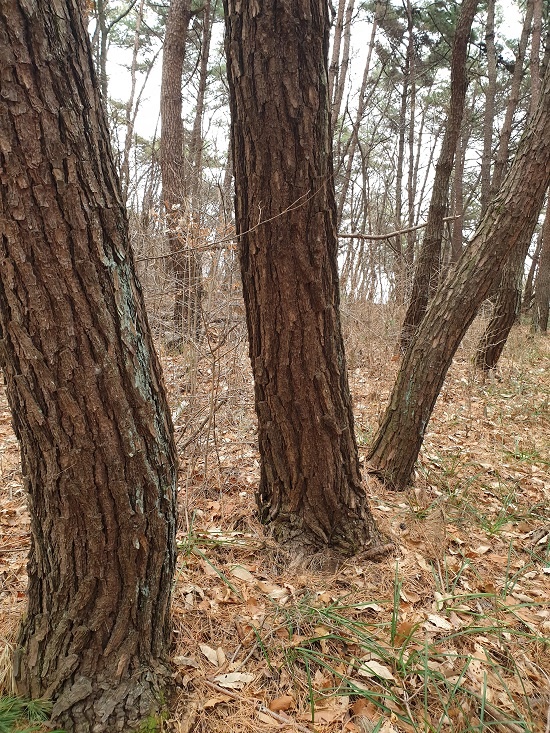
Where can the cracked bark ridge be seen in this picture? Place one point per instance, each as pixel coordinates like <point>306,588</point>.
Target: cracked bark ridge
<point>310,491</point>
<point>84,386</point>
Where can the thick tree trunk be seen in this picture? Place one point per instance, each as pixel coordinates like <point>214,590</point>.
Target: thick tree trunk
<point>85,389</point>
<point>510,215</point>
<point>310,489</point>
<point>426,274</point>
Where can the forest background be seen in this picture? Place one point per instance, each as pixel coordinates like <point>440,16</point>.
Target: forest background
<point>451,633</point>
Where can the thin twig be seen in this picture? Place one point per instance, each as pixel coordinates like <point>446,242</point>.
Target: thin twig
<point>389,235</point>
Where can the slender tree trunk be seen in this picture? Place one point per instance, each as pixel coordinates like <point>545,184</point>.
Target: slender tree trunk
<point>506,307</point>
<point>411,179</point>
<point>510,215</point>
<point>508,297</point>
<point>310,489</point>
<point>458,192</point>
<point>344,66</point>
<point>354,137</point>
<point>196,142</point>
<point>534,64</point>
<point>427,269</point>
<point>337,36</point>
<point>185,267</point>
<point>402,274</point>
<point>128,112</point>
<point>503,152</point>
<point>490,94</point>
<point>85,389</point>
<point>527,302</point>
<point>541,304</point>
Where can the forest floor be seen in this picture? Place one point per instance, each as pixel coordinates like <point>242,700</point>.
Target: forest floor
<point>451,632</point>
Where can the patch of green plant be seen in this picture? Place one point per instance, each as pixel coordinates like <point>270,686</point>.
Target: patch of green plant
<point>18,715</point>
<point>421,679</point>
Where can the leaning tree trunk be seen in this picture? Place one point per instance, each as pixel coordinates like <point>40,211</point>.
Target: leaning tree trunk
<point>506,308</point>
<point>84,386</point>
<point>510,215</point>
<point>426,274</point>
<point>310,488</point>
<point>508,296</point>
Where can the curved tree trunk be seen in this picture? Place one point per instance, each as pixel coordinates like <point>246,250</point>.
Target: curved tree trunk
<point>510,216</point>
<point>85,389</point>
<point>310,489</point>
<point>426,274</point>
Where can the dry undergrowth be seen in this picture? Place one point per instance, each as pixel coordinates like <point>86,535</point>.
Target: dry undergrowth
<point>450,633</point>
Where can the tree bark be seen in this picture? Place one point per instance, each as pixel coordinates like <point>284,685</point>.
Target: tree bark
<point>342,75</point>
<point>310,490</point>
<point>489,115</point>
<point>503,151</point>
<point>508,296</point>
<point>541,305</point>
<point>427,269</point>
<point>527,301</point>
<point>84,386</point>
<point>506,307</point>
<point>184,261</point>
<point>511,213</point>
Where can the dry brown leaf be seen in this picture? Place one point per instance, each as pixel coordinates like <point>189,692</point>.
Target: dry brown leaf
<point>285,702</point>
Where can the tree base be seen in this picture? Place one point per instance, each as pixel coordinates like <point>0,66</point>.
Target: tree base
<point>103,706</point>
<point>307,550</point>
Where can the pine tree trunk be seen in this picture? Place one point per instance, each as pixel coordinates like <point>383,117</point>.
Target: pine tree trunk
<point>541,305</point>
<point>530,282</point>
<point>185,262</point>
<point>310,490</point>
<point>501,162</point>
<point>508,297</point>
<point>510,215</point>
<point>489,113</point>
<point>85,389</point>
<point>426,274</point>
<point>506,308</point>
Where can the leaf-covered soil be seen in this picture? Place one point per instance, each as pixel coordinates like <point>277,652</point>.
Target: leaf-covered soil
<point>450,632</point>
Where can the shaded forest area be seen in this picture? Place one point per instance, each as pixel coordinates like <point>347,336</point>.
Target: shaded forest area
<point>299,602</point>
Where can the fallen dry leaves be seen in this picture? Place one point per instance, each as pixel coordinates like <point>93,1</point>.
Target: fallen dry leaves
<point>451,633</point>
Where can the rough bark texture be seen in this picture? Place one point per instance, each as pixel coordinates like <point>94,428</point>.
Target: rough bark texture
<point>426,274</point>
<point>506,307</point>
<point>310,490</point>
<point>185,262</point>
<point>513,212</point>
<point>85,388</point>
<point>507,300</point>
